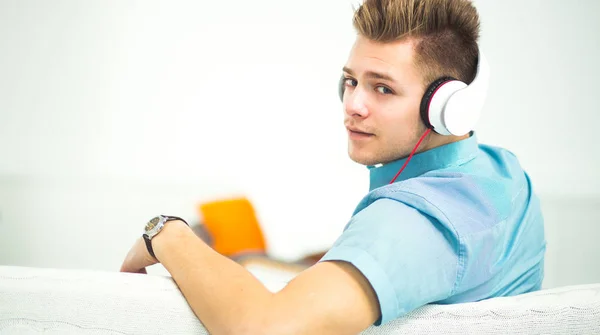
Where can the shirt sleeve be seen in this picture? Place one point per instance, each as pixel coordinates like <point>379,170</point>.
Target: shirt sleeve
<point>409,259</point>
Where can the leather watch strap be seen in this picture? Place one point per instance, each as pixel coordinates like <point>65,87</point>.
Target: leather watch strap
<point>148,241</point>
<point>149,245</point>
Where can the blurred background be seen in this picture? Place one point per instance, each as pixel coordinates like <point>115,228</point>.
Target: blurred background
<point>114,111</point>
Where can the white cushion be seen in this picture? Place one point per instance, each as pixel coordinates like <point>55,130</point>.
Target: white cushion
<point>54,301</point>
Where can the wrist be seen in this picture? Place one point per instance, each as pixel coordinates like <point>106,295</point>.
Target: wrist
<point>172,232</point>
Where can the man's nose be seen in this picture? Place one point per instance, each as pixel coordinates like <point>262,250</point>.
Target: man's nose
<point>355,103</point>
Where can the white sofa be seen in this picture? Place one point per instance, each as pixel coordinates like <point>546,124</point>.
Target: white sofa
<point>59,301</point>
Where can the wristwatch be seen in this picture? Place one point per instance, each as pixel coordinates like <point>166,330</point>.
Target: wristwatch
<point>154,226</point>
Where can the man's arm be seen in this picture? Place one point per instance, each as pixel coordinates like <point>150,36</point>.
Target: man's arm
<point>327,298</point>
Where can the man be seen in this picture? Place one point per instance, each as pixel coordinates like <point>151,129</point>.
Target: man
<point>459,223</point>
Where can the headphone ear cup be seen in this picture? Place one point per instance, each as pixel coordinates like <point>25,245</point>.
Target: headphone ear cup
<point>426,100</point>
<point>341,88</point>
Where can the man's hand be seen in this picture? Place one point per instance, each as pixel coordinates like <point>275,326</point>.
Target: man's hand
<point>138,258</point>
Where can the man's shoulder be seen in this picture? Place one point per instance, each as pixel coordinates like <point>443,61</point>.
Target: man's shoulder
<point>467,199</point>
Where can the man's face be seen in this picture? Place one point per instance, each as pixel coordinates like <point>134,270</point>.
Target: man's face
<point>383,91</point>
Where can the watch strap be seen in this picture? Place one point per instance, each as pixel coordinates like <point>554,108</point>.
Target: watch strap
<point>149,245</point>
<point>171,218</point>
<point>148,240</point>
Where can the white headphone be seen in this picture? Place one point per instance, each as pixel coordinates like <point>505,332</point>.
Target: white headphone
<point>450,106</point>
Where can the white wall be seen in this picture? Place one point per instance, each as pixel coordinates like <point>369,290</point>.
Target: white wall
<point>542,102</point>
<point>113,111</point>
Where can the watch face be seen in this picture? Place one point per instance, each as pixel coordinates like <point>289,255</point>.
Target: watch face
<point>152,224</point>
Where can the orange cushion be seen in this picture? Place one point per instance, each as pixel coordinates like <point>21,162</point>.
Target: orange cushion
<point>233,226</point>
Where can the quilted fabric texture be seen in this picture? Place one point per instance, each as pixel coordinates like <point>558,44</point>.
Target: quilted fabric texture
<point>53,301</point>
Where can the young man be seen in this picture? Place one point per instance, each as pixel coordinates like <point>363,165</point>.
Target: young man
<point>460,222</point>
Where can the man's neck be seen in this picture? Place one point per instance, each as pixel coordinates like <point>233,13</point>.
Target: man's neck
<point>435,140</point>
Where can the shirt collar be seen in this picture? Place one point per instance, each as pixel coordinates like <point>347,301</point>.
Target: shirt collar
<point>452,154</point>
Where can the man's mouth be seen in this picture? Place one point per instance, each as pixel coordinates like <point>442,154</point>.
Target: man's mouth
<point>358,134</point>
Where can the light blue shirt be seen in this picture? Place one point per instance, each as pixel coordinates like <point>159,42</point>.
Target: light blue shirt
<point>460,224</point>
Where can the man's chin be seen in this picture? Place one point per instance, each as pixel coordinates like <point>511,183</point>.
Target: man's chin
<point>362,159</point>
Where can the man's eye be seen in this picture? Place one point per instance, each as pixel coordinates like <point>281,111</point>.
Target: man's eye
<point>384,90</point>
<point>350,82</point>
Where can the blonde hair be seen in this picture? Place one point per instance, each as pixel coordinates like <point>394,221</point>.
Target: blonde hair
<point>445,32</point>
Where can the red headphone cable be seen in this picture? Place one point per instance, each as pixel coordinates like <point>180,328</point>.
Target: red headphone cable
<point>410,156</point>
